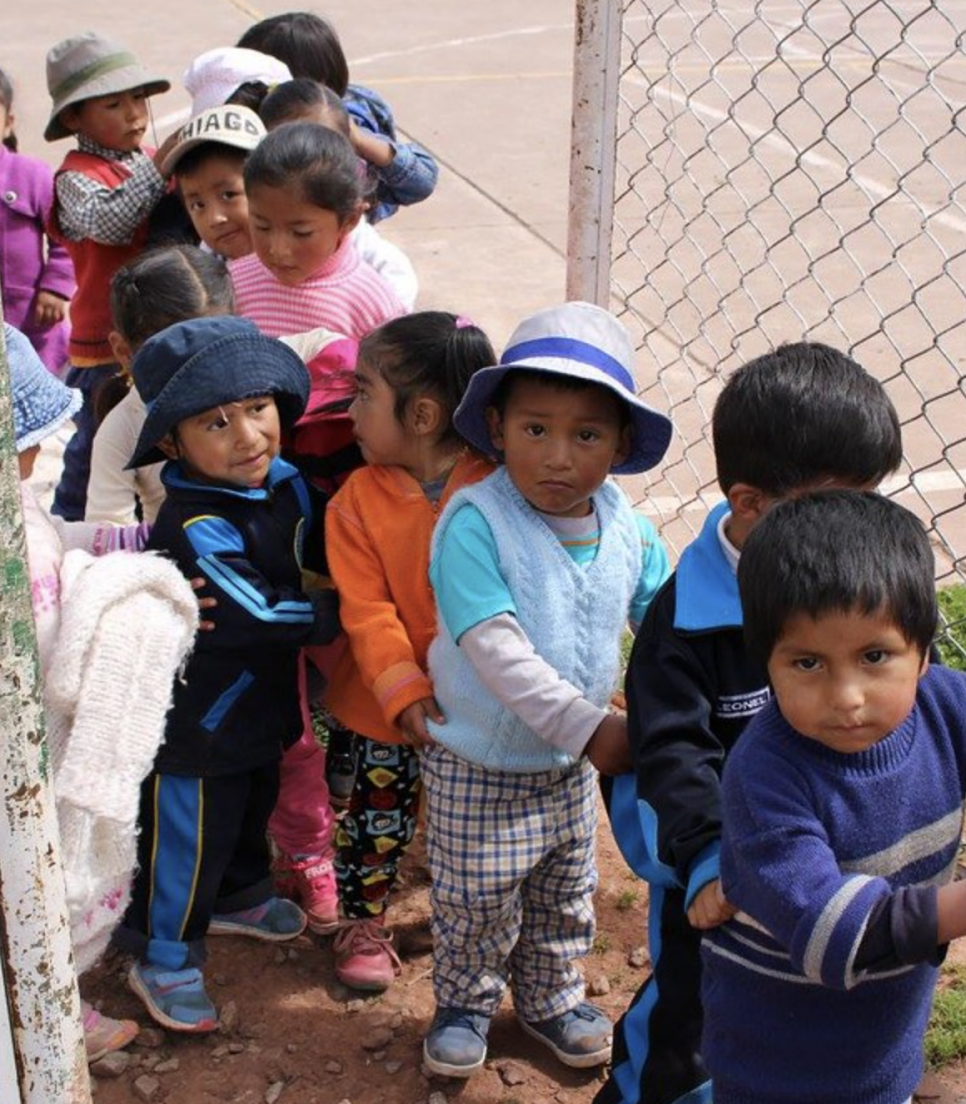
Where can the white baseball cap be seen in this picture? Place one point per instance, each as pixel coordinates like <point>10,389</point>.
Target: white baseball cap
<point>211,78</point>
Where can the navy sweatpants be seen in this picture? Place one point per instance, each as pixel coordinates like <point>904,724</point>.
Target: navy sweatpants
<point>202,850</point>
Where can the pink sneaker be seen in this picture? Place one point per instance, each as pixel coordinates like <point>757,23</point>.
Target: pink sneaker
<point>364,956</point>
<point>310,880</point>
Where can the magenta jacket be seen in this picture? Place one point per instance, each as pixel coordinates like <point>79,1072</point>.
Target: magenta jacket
<point>26,196</point>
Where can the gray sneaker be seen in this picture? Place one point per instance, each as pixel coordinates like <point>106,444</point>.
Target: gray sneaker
<point>456,1043</point>
<point>580,1038</point>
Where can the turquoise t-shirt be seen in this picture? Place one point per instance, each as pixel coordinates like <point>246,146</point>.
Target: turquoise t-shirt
<point>465,572</point>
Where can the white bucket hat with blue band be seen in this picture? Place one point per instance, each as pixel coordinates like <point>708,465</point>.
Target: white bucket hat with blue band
<point>581,341</point>
<point>41,403</point>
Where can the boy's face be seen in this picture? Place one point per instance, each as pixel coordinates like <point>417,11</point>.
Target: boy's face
<point>232,444</point>
<point>214,196</point>
<point>559,444</point>
<point>117,122</point>
<point>844,678</point>
<point>292,237</point>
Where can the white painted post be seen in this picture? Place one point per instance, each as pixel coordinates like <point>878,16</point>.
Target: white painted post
<point>42,1058</point>
<point>593,150</point>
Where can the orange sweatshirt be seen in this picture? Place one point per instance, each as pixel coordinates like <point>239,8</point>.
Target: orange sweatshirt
<point>378,529</point>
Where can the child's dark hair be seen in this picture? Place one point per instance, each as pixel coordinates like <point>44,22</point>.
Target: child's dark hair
<point>251,94</point>
<point>558,381</point>
<point>290,100</point>
<point>6,99</point>
<point>165,286</point>
<point>837,551</point>
<point>319,161</point>
<point>802,413</point>
<point>195,158</point>
<point>429,352</point>
<point>307,43</point>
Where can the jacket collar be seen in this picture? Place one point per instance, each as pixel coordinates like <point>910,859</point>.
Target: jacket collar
<point>706,588</point>
<point>281,471</point>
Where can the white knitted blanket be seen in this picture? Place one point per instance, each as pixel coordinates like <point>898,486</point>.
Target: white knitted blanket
<point>127,625</point>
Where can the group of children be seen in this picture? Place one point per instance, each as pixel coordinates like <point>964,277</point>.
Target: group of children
<point>383,518</point>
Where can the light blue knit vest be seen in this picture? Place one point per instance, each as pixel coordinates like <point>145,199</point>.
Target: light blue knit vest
<point>573,615</point>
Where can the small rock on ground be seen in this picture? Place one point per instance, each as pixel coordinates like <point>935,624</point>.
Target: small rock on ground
<point>147,1088</point>
<point>112,1065</point>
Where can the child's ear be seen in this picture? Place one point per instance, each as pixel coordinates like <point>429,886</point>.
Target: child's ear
<point>123,353</point>
<point>169,446</point>
<point>70,117</point>
<point>425,416</point>
<point>748,504</point>
<point>624,443</point>
<point>494,423</point>
<point>350,223</point>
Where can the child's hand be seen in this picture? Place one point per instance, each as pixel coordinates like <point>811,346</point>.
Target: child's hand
<point>49,309</point>
<point>412,721</point>
<point>608,749</point>
<point>370,148</point>
<point>709,907</point>
<point>204,603</point>
<point>165,148</point>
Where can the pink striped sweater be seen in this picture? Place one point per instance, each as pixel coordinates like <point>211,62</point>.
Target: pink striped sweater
<point>345,295</point>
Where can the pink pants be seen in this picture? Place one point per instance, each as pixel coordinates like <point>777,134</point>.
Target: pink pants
<point>303,822</point>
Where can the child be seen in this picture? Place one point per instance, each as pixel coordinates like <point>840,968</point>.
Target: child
<point>218,395</point>
<point>692,686</point>
<point>207,162</point>
<point>536,571</point>
<point>410,377</point>
<point>304,200</point>
<point>85,619</point>
<point>307,101</point>
<point>842,814</point>
<point>105,192</point>
<point>35,273</point>
<point>310,47</point>
<point>159,288</point>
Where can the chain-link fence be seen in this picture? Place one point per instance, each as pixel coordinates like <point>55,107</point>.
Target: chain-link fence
<point>790,170</point>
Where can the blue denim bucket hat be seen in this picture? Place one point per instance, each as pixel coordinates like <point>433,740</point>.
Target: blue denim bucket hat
<point>194,366</point>
<point>41,403</point>
<point>582,341</point>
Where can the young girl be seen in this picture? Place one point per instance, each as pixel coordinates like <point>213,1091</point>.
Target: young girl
<point>36,274</point>
<point>310,47</point>
<point>410,376</point>
<point>306,101</point>
<point>156,290</point>
<point>305,196</point>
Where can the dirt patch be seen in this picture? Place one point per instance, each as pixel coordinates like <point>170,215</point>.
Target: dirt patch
<point>297,1036</point>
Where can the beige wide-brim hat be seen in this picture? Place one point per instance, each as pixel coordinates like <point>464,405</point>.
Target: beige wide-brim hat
<point>87,65</point>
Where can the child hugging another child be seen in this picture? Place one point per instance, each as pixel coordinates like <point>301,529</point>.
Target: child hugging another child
<point>523,669</point>
<point>843,813</point>
<point>310,48</point>
<point>305,196</point>
<point>410,377</point>
<point>219,395</point>
<point>105,192</point>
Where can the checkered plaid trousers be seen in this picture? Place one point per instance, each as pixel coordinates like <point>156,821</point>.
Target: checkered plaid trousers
<point>513,869</point>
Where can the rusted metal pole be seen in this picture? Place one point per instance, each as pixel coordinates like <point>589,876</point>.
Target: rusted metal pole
<point>593,149</point>
<point>42,1058</point>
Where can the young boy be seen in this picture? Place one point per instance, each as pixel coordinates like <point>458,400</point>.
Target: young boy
<point>801,417</point>
<point>536,571</point>
<point>218,395</point>
<point>207,162</point>
<point>105,191</point>
<point>842,814</point>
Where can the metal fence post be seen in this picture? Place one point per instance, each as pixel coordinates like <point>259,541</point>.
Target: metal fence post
<point>42,1058</point>
<point>593,149</point>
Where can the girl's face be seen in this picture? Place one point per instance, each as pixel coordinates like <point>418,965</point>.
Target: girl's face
<point>381,437</point>
<point>214,196</point>
<point>117,122</point>
<point>292,237</point>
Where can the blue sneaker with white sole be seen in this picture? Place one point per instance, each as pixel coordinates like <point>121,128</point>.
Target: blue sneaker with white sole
<point>175,999</point>
<point>456,1043</point>
<point>273,921</point>
<point>580,1038</point>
